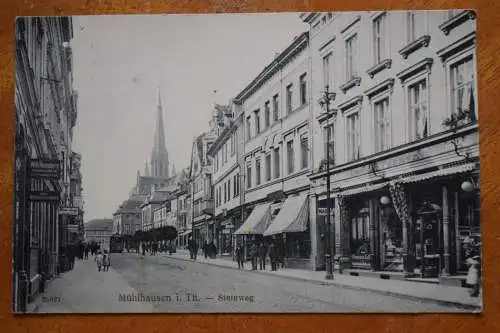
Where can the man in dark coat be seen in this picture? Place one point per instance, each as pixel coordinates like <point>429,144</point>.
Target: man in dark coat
<point>262,255</point>
<point>254,252</point>
<point>273,256</point>
<point>240,256</point>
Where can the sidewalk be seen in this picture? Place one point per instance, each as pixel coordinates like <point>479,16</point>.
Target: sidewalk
<point>455,296</point>
<point>85,290</point>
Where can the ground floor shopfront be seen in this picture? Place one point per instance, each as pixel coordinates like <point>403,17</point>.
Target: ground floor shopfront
<point>226,225</point>
<point>419,224</point>
<point>282,221</point>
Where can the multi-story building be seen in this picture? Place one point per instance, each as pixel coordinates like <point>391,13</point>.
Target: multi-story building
<point>76,211</point>
<point>99,231</point>
<point>200,179</point>
<point>183,224</point>
<point>226,176</point>
<point>45,114</point>
<point>276,107</point>
<point>404,172</point>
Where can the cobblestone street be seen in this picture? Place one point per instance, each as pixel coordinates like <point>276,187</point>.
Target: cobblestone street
<point>162,284</point>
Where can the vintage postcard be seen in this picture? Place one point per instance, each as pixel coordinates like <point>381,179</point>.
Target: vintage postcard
<point>226,163</point>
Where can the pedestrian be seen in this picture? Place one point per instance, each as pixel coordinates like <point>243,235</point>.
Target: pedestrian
<point>106,260</point>
<point>272,256</point>
<point>473,276</point>
<point>99,260</point>
<point>262,256</point>
<point>240,256</point>
<point>205,249</point>
<point>254,252</point>
<point>86,251</point>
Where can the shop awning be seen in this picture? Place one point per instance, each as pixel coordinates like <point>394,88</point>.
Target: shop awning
<point>292,217</point>
<point>363,189</point>
<point>440,173</point>
<point>257,222</point>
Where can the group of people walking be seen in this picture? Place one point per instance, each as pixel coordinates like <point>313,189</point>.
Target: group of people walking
<point>103,260</point>
<point>259,251</point>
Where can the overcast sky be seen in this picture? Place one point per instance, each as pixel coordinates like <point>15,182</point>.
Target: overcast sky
<point>119,62</point>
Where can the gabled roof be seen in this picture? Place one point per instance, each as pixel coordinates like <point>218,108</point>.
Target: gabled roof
<point>99,224</point>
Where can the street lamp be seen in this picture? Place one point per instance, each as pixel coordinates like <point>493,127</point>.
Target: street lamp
<point>325,102</point>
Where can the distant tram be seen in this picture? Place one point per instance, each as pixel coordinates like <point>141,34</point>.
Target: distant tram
<point>115,244</point>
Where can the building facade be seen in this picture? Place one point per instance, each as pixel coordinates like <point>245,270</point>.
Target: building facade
<point>404,142</point>
<point>99,231</point>
<point>226,177</point>
<point>276,161</point>
<point>200,178</point>
<point>76,211</point>
<point>45,114</point>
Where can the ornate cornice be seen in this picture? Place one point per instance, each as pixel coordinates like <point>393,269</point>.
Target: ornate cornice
<point>423,65</point>
<point>384,85</point>
<point>296,47</point>
<point>460,44</point>
<point>456,20</point>
<point>384,64</point>
<point>415,45</point>
<point>355,81</point>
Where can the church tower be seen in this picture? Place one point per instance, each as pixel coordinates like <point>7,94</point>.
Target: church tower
<point>159,155</point>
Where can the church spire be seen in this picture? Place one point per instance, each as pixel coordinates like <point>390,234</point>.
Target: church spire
<point>173,169</point>
<point>159,155</point>
<point>146,169</point>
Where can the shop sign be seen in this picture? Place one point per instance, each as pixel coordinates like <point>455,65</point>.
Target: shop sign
<point>276,195</point>
<point>229,226</point>
<point>68,211</point>
<point>322,211</point>
<point>45,169</point>
<point>226,231</point>
<point>44,196</point>
<point>73,228</point>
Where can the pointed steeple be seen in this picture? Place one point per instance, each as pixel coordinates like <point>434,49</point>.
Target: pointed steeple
<point>146,169</point>
<point>173,169</point>
<point>159,154</point>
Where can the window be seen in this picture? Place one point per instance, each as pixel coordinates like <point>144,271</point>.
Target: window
<point>229,189</point>
<point>327,70</point>
<point>462,87</point>
<point>233,144</point>
<point>267,115</point>
<point>304,150</point>
<point>353,136</point>
<point>257,172</point>
<point>276,157</point>
<point>379,32</point>
<point>276,112</point>
<point>418,120</point>
<point>249,175</point>
<point>225,192</point>
<point>225,152</point>
<point>268,167</point>
<point>257,122</point>
<point>289,156</point>
<point>415,25</point>
<point>303,89</point>
<point>289,96</point>
<point>329,143</point>
<point>249,133</point>
<point>351,50</point>
<point>382,125</point>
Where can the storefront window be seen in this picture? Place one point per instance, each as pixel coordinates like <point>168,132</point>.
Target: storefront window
<point>392,240</point>
<point>468,227</point>
<point>298,245</point>
<point>360,237</point>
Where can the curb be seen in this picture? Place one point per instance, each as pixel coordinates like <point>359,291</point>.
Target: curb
<point>460,305</point>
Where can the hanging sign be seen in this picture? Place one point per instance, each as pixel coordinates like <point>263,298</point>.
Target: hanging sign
<point>45,169</point>
<point>44,196</point>
<point>68,211</point>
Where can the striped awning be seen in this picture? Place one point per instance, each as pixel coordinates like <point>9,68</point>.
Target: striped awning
<point>292,217</point>
<point>257,222</point>
<point>456,169</point>
<point>363,189</point>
